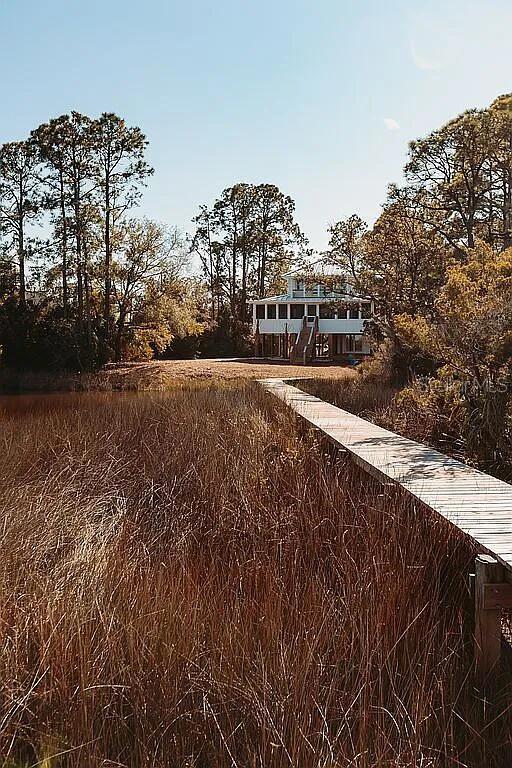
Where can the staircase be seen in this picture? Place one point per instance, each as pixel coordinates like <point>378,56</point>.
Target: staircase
<point>304,347</point>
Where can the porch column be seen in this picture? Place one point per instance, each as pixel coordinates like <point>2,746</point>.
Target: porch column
<point>257,340</point>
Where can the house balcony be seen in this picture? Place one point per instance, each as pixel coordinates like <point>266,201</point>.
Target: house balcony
<point>341,325</point>
<point>308,293</point>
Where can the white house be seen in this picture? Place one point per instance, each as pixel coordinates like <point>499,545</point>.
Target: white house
<point>319,317</point>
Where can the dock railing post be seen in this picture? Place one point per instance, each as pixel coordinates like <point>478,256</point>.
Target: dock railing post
<point>487,620</point>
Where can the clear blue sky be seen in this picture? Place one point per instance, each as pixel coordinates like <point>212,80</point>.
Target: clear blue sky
<point>319,97</point>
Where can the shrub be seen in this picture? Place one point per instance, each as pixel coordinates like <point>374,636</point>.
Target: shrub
<point>227,337</point>
<point>42,338</point>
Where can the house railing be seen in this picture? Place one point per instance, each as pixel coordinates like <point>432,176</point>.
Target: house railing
<point>308,293</point>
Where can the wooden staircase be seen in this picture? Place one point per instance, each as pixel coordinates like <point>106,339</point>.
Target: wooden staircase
<point>303,350</point>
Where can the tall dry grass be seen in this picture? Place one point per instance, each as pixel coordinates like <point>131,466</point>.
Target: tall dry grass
<point>187,580</point>
<point>366,396</point>
<point>105,380</point>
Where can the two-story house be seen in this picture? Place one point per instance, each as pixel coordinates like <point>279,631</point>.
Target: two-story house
<point>319,317</point>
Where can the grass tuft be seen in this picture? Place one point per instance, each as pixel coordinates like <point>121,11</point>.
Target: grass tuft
<point>187,580</point>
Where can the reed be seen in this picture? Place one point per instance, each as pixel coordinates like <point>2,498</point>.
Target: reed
<point>188,580</point>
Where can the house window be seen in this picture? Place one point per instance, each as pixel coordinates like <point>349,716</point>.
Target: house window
<point>326,312</point>
<point>311,310</point>
<point>271,311</point>
<point>366,310</point>
<point>358,344</point>
<point>355,343</point>
<point>353,312</point>
<point>296,311</point>
<point>260,311</point>
<point>283,311</point>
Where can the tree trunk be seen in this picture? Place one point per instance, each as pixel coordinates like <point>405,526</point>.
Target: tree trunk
<point>470,232</point>
<point>263,266</point>
<point>87,290</point>
<point>233,262</point>
<point>79,263</point>
<point>118,345</point>
<point>21,244</point>
<point>64,259</point>
<point>80,291</point>
<point>21,257</point>
<point>107,251</point>
<point>243,295</point>
<point>507,235</point>
<point>212,273</point>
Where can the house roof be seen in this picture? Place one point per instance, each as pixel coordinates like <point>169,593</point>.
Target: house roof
<point>318,269</point>
<point>285,299</point>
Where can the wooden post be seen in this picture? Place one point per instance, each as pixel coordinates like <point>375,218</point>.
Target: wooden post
<point>331,349</point>
<point>257,340</point>
<point>487,620</point>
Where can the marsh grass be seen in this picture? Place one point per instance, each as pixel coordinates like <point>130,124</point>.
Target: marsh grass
<point>187,579</point>
<point>363,395</point>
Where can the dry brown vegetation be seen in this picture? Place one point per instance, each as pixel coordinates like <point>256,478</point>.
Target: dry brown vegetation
<point>362,395</point>
<point>186,580</point>
<point>159,375</point>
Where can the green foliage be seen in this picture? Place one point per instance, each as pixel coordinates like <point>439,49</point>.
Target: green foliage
<point>20,197</point>
<point>438,265</point>
<point>227,337</point>
<point>42,338</point>
<point>470,331</point>
<point>245,242</point>
<point>470,340</point>
<point>104,285</point>
<point>153,300</point>
<point>114,287</point>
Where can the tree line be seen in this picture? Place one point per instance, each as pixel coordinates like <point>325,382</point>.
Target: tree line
<point>438,263</point>
<point>245,241</point>
<point>81,280</point>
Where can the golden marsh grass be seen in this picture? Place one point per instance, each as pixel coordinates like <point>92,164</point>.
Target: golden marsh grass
<point>186,579</point>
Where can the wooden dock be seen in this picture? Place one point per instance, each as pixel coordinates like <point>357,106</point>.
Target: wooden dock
<point>478,504</point>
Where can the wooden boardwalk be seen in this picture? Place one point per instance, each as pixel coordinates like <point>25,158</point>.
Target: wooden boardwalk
<point>478,504</point>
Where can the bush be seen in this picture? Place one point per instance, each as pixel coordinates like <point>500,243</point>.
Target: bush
<point>397,364</point>
<point>37,338</point>
<point>227,337</point>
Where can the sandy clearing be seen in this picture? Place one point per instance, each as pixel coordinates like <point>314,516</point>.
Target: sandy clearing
<point>160,374</point>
